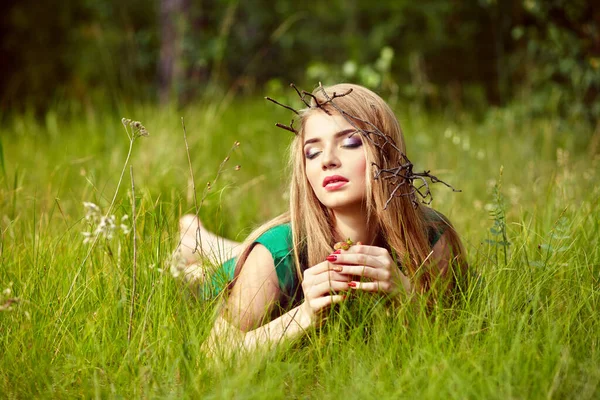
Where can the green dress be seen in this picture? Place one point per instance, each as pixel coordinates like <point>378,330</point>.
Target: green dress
<point>278,240</point>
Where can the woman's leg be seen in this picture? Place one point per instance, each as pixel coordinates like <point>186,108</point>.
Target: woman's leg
<point>197,247</point>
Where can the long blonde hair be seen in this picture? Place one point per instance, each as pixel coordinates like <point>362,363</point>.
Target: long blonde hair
<point>401,225</point>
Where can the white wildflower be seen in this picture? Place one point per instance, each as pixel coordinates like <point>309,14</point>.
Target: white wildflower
<point>87,237</point>
<point>103,225</point>
<point>106,227</point>
<point>124,227</point>
<point>91,206</point>
<point>7,291</point>
<point>92,211</point>
<point>175,271</point>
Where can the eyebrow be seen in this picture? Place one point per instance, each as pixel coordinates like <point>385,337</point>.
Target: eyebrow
<point>337,135</point>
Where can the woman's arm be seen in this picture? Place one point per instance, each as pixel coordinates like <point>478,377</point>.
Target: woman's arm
<point>225,338</point>
<point>243,323</point>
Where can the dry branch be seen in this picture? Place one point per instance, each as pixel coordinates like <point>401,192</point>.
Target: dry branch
<point>397,177</point>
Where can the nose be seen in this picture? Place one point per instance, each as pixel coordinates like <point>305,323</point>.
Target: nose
<point>329,159</point>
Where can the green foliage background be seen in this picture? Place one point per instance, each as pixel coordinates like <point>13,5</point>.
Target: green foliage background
<point>443,52</point>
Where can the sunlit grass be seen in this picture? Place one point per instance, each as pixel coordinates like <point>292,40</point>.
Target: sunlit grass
<point>527,329</point>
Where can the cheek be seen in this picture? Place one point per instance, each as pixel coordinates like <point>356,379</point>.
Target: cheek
<point>360,168</point>
<point>312,174</point>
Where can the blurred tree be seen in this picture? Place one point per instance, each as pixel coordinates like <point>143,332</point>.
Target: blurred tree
<point>75,49</point>
<point>173,25</point>
<point>33,49</point>
<point>559,56</point>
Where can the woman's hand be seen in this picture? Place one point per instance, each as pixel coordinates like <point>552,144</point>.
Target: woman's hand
<point>375,264</point>
<point>322,287</point>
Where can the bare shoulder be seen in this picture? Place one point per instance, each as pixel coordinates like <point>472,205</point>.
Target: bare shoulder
<point>259,260</point>
<point>255,290</point>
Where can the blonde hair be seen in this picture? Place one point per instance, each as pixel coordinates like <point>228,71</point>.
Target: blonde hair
<point>401,226</point>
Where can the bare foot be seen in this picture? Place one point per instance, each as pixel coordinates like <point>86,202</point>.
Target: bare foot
<point>198,246</point>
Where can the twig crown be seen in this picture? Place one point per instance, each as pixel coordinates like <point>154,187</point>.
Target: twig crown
<point>397,177</point>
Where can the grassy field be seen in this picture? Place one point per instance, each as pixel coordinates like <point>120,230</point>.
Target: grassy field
<point>529,329</point>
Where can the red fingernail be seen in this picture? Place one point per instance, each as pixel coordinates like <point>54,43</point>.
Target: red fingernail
<point>338,251</point>
<point>331,258</point>
<point>352,284</point>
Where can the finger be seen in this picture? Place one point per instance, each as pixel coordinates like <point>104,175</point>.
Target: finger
<point>318,269</point>
<point>371,286</point>
<point>325,301</point>
<point>326,288</point>
<point>377,274</point>
<point>330,276</point>
<point>359,259</point>
<point>366,249</point>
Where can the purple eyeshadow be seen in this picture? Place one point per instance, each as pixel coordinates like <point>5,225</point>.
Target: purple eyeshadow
<point>309,153</point>
<point>353,141</point>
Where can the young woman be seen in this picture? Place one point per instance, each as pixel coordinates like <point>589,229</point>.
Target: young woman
<point>287,272</point>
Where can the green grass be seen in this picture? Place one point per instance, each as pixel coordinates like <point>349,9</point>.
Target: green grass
<point>528,329</point>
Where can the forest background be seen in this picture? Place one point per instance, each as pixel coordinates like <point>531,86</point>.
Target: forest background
<point>500,98</point>
<point>439,52</point>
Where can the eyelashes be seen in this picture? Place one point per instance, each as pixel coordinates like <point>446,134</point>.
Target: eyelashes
<point>311,154</point>
<point>351,142</point>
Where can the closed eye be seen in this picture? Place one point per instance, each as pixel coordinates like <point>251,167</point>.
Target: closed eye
<point>352,142</point>
<point>311,154</point>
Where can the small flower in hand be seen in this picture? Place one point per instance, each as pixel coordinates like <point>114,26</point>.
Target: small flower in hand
<point>373,263</point>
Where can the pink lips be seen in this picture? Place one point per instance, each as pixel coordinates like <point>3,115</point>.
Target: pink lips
<point>334,182</point>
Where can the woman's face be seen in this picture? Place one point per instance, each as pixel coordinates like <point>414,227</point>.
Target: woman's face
<point>335,161</point>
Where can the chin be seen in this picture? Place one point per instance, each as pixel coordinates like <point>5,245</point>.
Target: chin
<point>343,204</point>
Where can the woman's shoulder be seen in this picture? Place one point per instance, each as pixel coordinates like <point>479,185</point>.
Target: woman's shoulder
<point>277,239</point>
